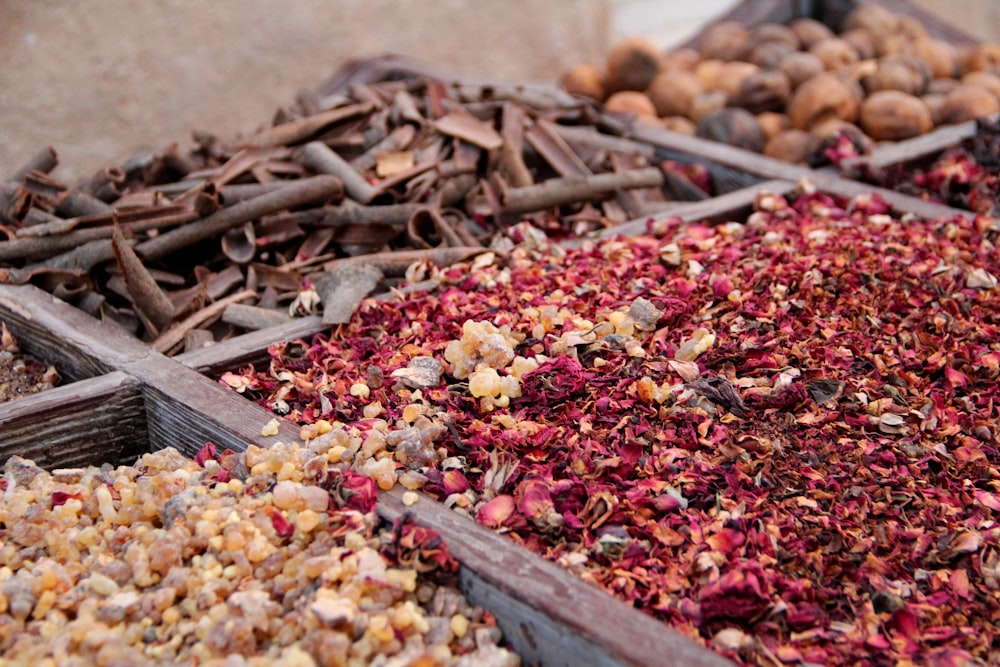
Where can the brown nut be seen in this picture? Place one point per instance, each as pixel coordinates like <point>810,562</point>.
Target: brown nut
<point>774,32</point>
<point>707,102</point>
<point>862,41</point>
<point>890,115</point>
<point>678,124</point>
<point>584,79</point>
<point>707,72</point>
<point>823,98</point>
<point>983,58</point>
<point>790,146</point>
<point>631,101</point>
<point>632,64</point>
<point>967,102</point>
<point>766,90</point>
<point>835,53</point>
<point>809,31</point>
<point>768,54</point>
<point>726,40</point>
<point>683,59</point>
<point>939,55</point>
<point>911,28</point>
<point>877,20</point>
<point>773,123</point>
<point>908,74</point>
<point>987,80</point>
<point>935,103</point>
<point>800,67</point>
<point>673,90</point>
<point>732,75</point>
<point>941,86</point>
<point>736,127</point>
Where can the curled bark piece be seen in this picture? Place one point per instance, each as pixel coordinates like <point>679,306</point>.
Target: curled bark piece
<point>426,224</point>
<point>43,161</point>
<point>142,288</point>
<point>560,191</point>
<point>253,318</point>
<point>299,130</point>
<point>297,193</point>
<point>320,158</point>
<point>395,263</point>
<point>174,336</point>
<point>344,288</point>
<point>463,125</point>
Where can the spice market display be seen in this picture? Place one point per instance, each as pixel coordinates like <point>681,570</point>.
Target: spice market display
<point>502,374</point>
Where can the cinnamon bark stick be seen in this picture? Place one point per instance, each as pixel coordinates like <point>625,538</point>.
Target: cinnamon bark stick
<point>299,130</point>
<point>142,288</point>
<point>561,191</point>
<point>317,156</point>
<point>297,193</point>
<point>43,161</point>
<point>174,336</point>
<point>253,318</point>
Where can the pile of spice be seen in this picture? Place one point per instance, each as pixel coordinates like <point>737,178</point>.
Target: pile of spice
<point>21,374</point>
<point>967,176</point>
<point>776,435</point>
<point>272,557</point>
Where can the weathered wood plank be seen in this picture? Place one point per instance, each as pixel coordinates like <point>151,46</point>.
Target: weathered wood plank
<point>90,422</point>
<point>250,348</point>
<point>54,331</point>
<point>777,170</point>
<point>919,147</point>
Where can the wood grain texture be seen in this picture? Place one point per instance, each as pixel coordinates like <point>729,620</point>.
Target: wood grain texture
<point>770,168</point>
<point>511,581</point>
<point>90,422</point>
<point>58,333</point>
<point>251,348</point>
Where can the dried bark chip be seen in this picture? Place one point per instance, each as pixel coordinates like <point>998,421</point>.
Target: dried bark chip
<point>343,289</point>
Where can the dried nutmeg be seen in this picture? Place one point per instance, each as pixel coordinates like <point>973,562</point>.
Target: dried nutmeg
<point>632,64</point>
<point>791,146</point>
<point>732,75</point>
<point>890,115</point>
<point>773,123</point>
<point>684,59</point>
<point>584,79</point>
<point>940,56</point>
<point>968,102</point>
<point>769,54</point>
<point>983,58</point>
<point>834,53</point>
<point>673,90</point>
<point>935,103</point>
<point>733,126</point>
<point>878,21</point>
<point>631,101</point>
<point>678,124</point>
<point>862,41</point>
<point>800,67</point>
<point>727,40</point>
<point>823,98</point>
<point>766,90</point>
<point>707,102</point>
<point>987,80</point>
<point>809,31</point>
<point>941,86</point>
<point>908,74</point>
<point>707,72</point>
<point>774,32</point>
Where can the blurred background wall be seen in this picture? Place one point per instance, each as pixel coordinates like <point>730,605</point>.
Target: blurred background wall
<point>103,79</point>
